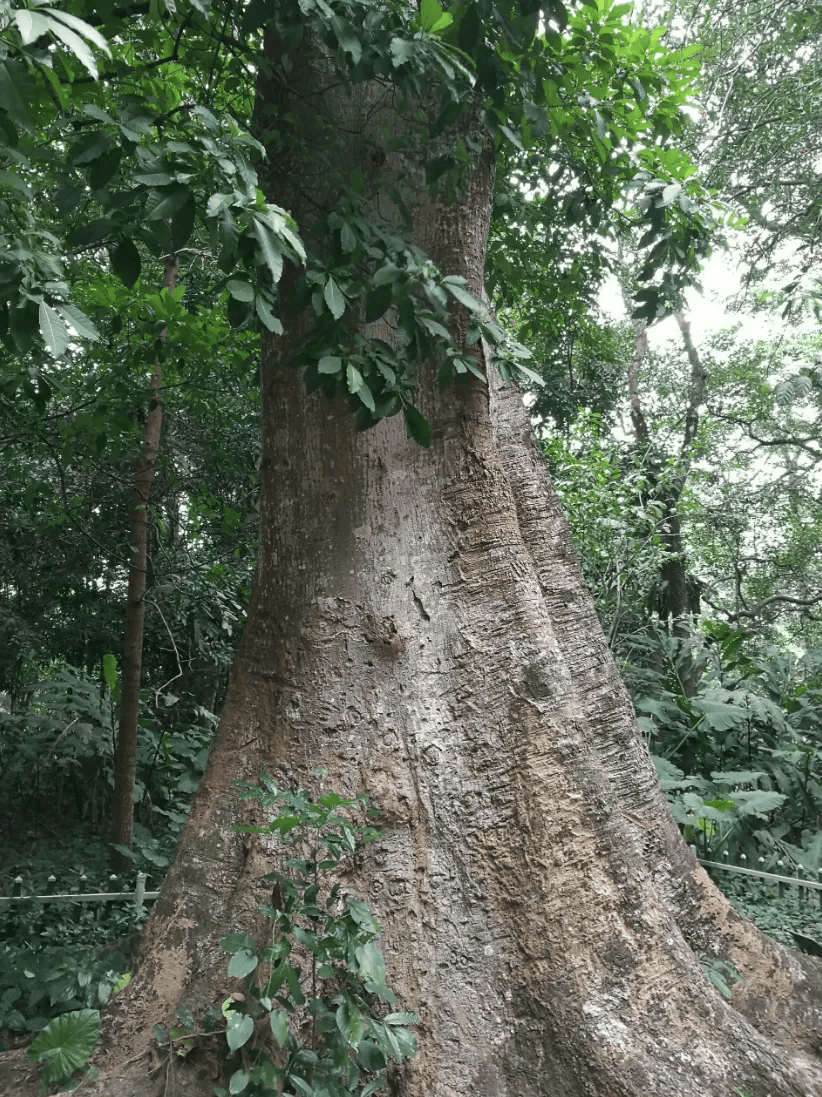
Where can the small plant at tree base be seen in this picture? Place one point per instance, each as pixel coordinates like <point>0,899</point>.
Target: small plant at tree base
<point>719,973</point>
<point>315,1019</point>
<point>65,1046</point>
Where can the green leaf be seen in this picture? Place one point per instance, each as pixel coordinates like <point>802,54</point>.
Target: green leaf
<point>278,1019</point>
<point>182,223</point>
<point>233,942</point>
<point>529,373</point>
<point>238,1029</point>
<point>354,379</point>
<point>334,298</point>
<point>74,42</point>
<point>378,302</point>
<point>65,1044</point>
<point>216,203</point>
<point>242,963</point>
<point>402,50</point>
<point>164,203</point>
<point>463,296</point>
<point>329,364</point>
<point>369,956</point>
<point>348,241</point>
<point>125,262</point>
<point>31,25</point>
<point>17,89</point>
<point>110,671</point>
<point>346,37</point>
<point>370,1055</point>
<point>53,330</point>
<point>401,1018</point>
<point>351,1022</point>
<point>154,179</point>
<point>430,14</point>
<point>241,291</point>
<point>266,315</point>
<point>301,1085</point>
<point>418,426</point>
<point>239,1080</point>
<point>269,249</point>
<point>374,1086</point>
<point>81,27</point>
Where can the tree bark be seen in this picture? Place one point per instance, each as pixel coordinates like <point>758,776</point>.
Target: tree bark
<point>420,627</point>
<point>125,757</point>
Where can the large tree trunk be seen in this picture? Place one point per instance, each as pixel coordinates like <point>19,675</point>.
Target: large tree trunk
<point>420,627</point>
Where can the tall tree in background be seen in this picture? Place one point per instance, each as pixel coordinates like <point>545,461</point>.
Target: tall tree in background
<point>419,625</point>
<point>125,757</point>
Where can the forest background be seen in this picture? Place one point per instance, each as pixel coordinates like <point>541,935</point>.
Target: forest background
<point>688,467</point>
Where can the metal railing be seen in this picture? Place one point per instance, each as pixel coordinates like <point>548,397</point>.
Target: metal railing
<point>139,896</point>
<point>802,880</point>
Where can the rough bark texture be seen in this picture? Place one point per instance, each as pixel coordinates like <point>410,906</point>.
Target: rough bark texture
<point>420,626</point>
<point>125,758</point>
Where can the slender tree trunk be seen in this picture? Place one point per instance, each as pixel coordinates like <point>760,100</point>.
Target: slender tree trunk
<point>420,627</point>
<point>125,758</point>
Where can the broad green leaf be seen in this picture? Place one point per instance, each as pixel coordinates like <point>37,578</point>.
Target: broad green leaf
<point>329,364</point>
<point>401,1018</point>
<point>163,203</point>
<point>354,379</point>
<point>372,964</point>
<point>53,330</point>
<point>402,50</point>
<point>334,298</point>
<point>378,302</point>
<point>370,1055</point>
<point>241,291</point>
<point>430,14</point>
<point>758,802</point>
<point>278,1019</point>
<point>233,942</point>
<point>435,327</point>
<point>351,1022</point>
<point>65,1044</point>
<point>80,322</point>
<point>216,203</point>
<point>463,296</point>
<point>239,1080</point>
<point>76,45</point>
<point>154,179</point>
<point>737,777</point>
<point>348,241</point>
<point>269,249</point>
<point>300,1085</point>
<point>126,262</point>
<point>31,25</point>
<point>529,373</point>
<point>266,315</point>
<point>110,671</point>
<point>418,426</point>
<point>239,1027</point>
<point>17,90</point>
<point>374,1087</point>
<point>182,223</point>
<point>81,27</point>
<point>11,179</point>
<point>347,37</point>
<point>242,963</point>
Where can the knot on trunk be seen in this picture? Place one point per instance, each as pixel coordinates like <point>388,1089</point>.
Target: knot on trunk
<point>384,634</point>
